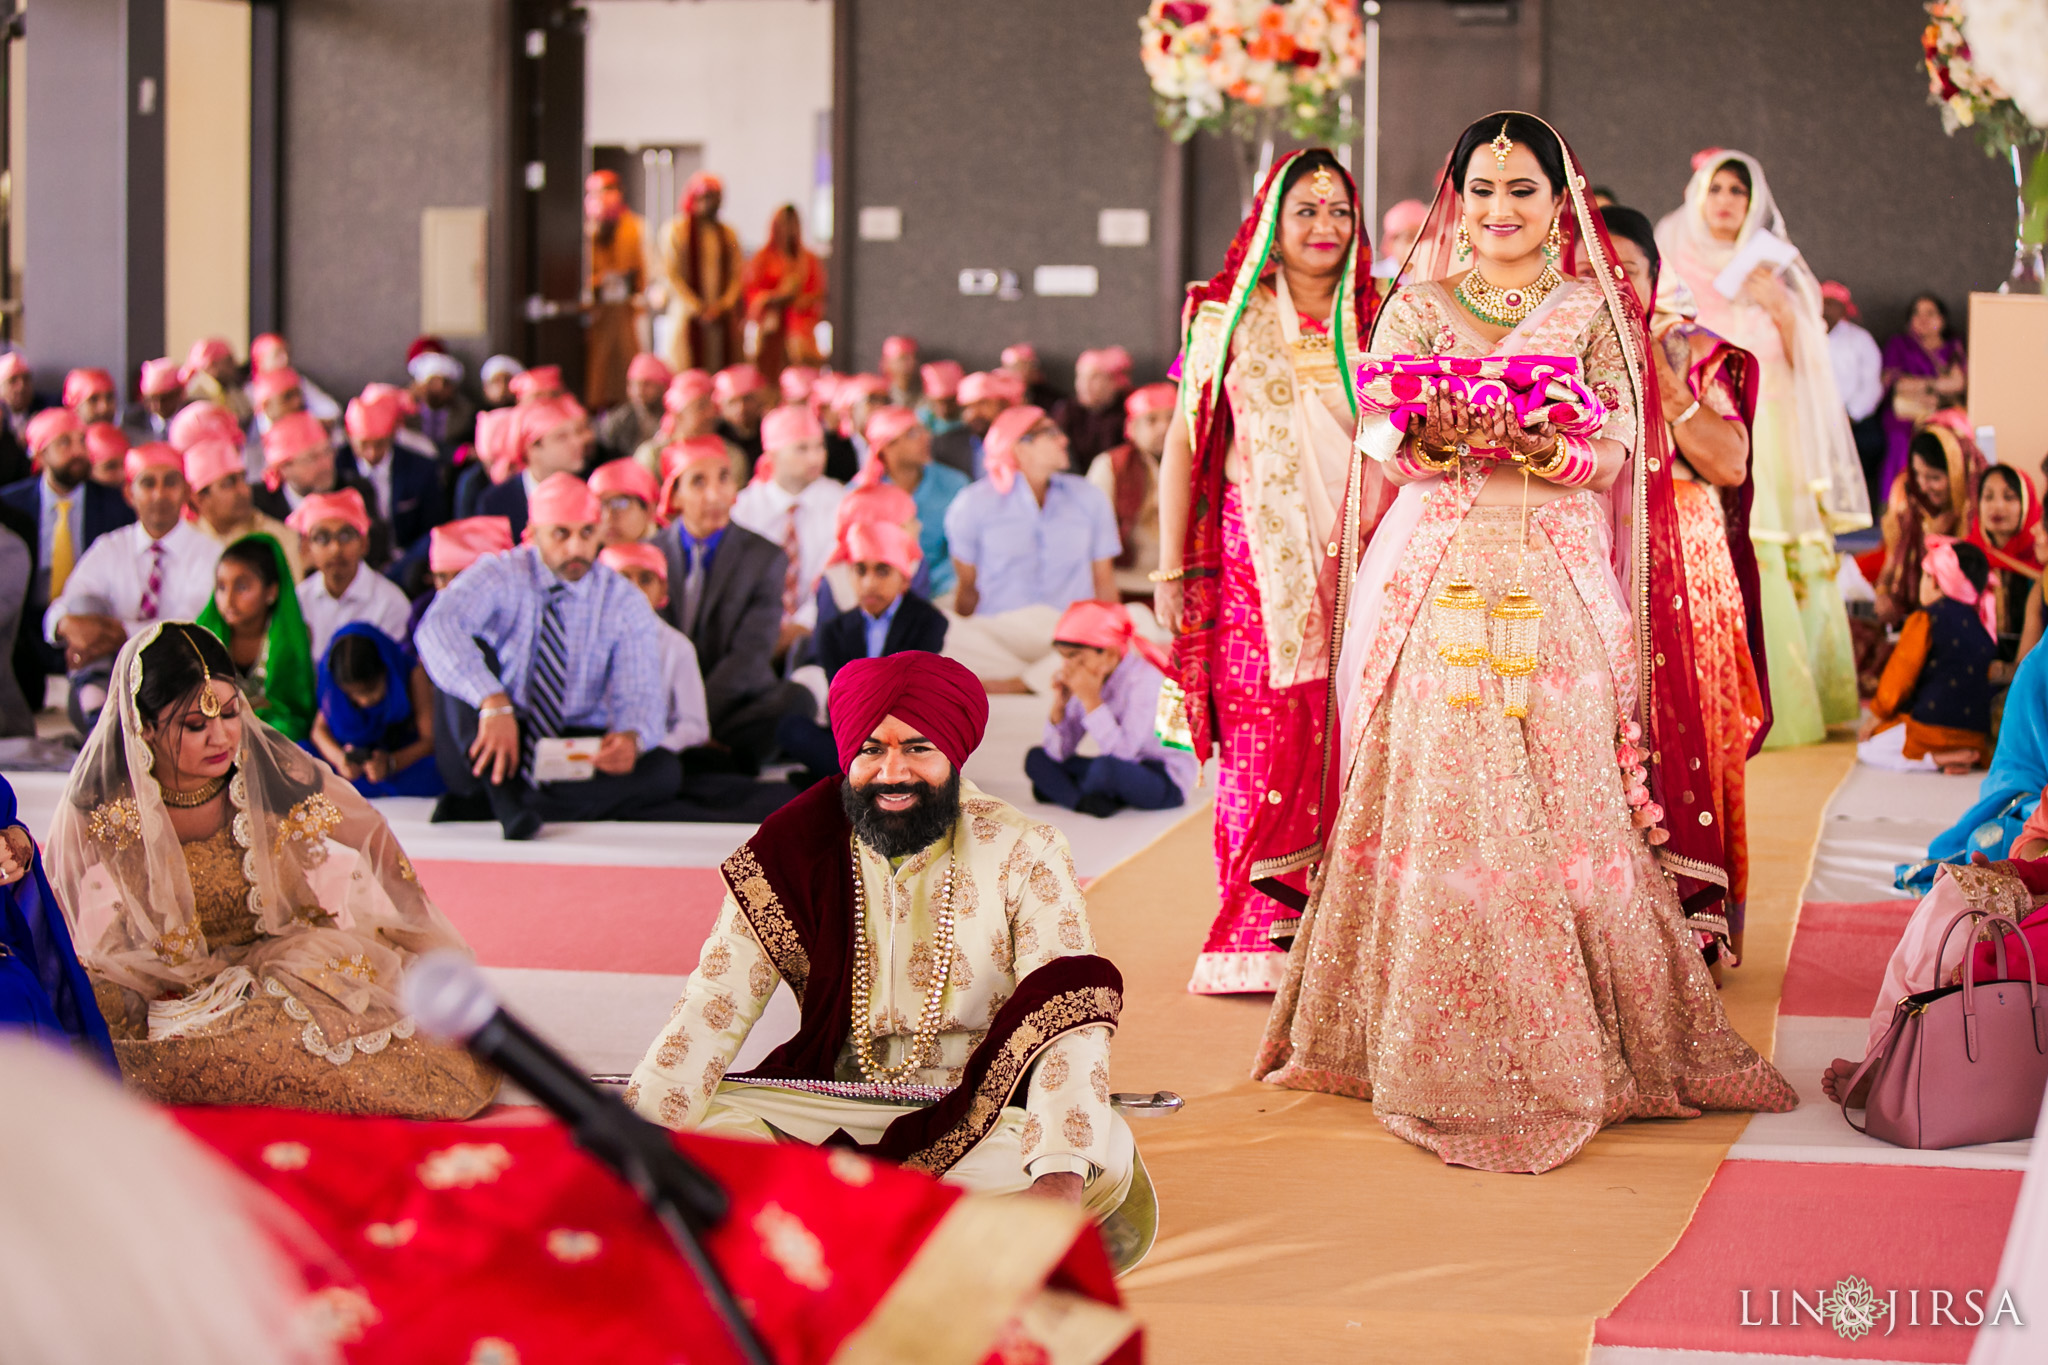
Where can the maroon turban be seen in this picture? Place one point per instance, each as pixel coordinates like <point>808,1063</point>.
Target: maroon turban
<point>940,699</point>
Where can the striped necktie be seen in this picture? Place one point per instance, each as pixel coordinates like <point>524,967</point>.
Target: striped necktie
<point>792,574</point>
<point>547,676</point>
<point>153,586</point>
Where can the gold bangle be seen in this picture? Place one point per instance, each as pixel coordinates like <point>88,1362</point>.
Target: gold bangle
<point>1439,459</point>
<point>1167,575</point>
<point>1549,463</point>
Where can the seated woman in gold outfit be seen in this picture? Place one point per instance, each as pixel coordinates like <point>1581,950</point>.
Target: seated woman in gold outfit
<point>244,915</point>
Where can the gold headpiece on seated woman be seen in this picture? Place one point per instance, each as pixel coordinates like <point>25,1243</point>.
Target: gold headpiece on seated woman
<point>209,704</point>
<point>1502,144</point>
<point>1323,184</point>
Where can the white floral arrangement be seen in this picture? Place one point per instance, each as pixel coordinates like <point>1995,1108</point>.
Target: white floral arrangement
<point>2008,44</point>
<point>1241,66</point>
<point>1987,70</point>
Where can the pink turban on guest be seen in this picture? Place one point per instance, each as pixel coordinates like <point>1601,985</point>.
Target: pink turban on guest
<point>497,443</point>
<point>1150,398</point>
<point>999,447</point>
<point>79,384</point>
<point>1407,216</point>
<point>1023,353</point>
<point>210,460</point>
<point>680,455</point>
<point>627,477</point>
<point>884,426</point>
<point>105,441</point>
<point>289,437</point>
<point>642,556</point>
<point>373,416</point>
<point>796,383</point>
<point>896,348</point>
<point>985,384</point>
<point>198,422</point>
<point>879,542</point>
<point>879,503</point>
<point>454,546</point>
<point>269,384</point>
<point>151,455</point>
<point>536,420</point>
<point>561,500</point>
<point>1114,360</point>
<point>537,382</point>
<point>700,184</point>
<point>941,378</point>
<point>14,363</point>
<point>345,507</point>
<point>206,353</point>
<point>734,381</point>
<point>1839,292</point>
<point>160,378</point>
<point>1105,625</point>
<point>685,389</point>
<point>781,428</point>
<point>1947,571</point>
<point>47,425</point>
<point>266,350</point>
<point>648,368</point>
<point>933,695</point>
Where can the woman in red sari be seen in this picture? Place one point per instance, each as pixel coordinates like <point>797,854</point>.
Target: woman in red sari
<point>785,291</point>
<point>1249,486</point>
<point>2002,521</point>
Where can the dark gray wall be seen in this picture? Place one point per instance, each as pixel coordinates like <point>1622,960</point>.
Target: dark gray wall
<point>93,287</point>
<point>1828,94</point>
<point>1000,129</point>
<point>390,107</point>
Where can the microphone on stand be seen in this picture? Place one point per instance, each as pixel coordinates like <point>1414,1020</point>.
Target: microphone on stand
<point>451,1000</point>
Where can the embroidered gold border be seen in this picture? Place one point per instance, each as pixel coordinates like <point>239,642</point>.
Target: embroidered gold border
<point>1047,1024</point>
<point>984,1264</point>
<point>771,923</point>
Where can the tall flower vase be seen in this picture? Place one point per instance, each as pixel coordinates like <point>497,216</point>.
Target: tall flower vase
<point>2030,193</point>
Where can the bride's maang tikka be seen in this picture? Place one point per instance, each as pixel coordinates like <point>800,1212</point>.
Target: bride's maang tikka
<point>1502,144</point>
<point>209,704</point>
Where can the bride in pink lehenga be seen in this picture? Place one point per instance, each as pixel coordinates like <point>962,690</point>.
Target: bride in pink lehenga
<point>1502,946</point>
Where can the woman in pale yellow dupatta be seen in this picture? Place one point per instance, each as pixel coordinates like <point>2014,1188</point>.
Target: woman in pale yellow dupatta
<point>1493,953</point>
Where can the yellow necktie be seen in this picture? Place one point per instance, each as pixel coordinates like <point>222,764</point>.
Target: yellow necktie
<point>62,554</point>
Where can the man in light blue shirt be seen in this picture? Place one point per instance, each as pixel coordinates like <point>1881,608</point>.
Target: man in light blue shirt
<point>1027,541</point>
<point>543,642</point>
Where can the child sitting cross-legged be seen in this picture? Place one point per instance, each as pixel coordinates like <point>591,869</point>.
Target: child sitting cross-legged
<point>1933,704</point>
<point>1107,689</point>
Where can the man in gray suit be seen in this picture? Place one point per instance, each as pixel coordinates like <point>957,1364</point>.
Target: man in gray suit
<point>726,591</point>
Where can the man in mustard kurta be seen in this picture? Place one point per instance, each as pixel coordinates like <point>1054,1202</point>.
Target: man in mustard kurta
<point>955,1017</point>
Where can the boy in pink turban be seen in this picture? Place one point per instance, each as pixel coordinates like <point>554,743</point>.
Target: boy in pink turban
<point>334,534</point>
<point>791,504</point>
<point>904,830</point>
<point>1107,690</point>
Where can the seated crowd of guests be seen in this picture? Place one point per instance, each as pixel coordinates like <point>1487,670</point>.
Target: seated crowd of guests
<point>531,614</point>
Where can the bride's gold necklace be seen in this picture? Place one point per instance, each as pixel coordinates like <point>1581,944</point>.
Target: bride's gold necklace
<point>1510,308</point>
<point>199,795</point>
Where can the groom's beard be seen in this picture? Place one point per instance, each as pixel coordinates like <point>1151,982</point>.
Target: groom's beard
<point>898,834</point>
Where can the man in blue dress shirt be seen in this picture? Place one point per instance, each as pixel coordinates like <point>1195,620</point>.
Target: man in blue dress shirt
<point>544,642</point>
<point>1028,541</point>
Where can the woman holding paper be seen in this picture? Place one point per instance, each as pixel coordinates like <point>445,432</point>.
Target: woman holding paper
<point>1493,952</point>
<point>1728,244</point>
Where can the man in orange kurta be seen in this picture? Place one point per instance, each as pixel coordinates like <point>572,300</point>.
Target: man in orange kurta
<point>701,258</point>
<point>618,274</point>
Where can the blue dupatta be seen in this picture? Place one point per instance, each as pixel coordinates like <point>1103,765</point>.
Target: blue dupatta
<point>2011,790</point>
<point>43,989</point>
<point>357,727</point>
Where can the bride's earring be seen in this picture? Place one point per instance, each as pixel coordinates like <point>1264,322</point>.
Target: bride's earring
<point>1553,245</point>
<point>1464,241</point>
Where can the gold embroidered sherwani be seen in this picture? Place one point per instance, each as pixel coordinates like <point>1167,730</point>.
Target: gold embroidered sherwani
<point>1017,906</point>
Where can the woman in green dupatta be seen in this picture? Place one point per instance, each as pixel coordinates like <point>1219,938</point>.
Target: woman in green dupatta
<point>254,611</point>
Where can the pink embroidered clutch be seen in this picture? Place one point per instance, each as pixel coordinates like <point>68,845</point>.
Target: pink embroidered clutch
<point>1536,388</point>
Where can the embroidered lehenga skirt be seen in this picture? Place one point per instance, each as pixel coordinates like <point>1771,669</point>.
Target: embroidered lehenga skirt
<point>1492,955</point>
<point>1264,735</point>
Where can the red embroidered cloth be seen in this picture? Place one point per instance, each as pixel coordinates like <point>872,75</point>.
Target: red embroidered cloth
<point>498,1242</point>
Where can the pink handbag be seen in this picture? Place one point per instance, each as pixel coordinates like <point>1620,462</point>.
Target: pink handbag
<point>1960,1064</point>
